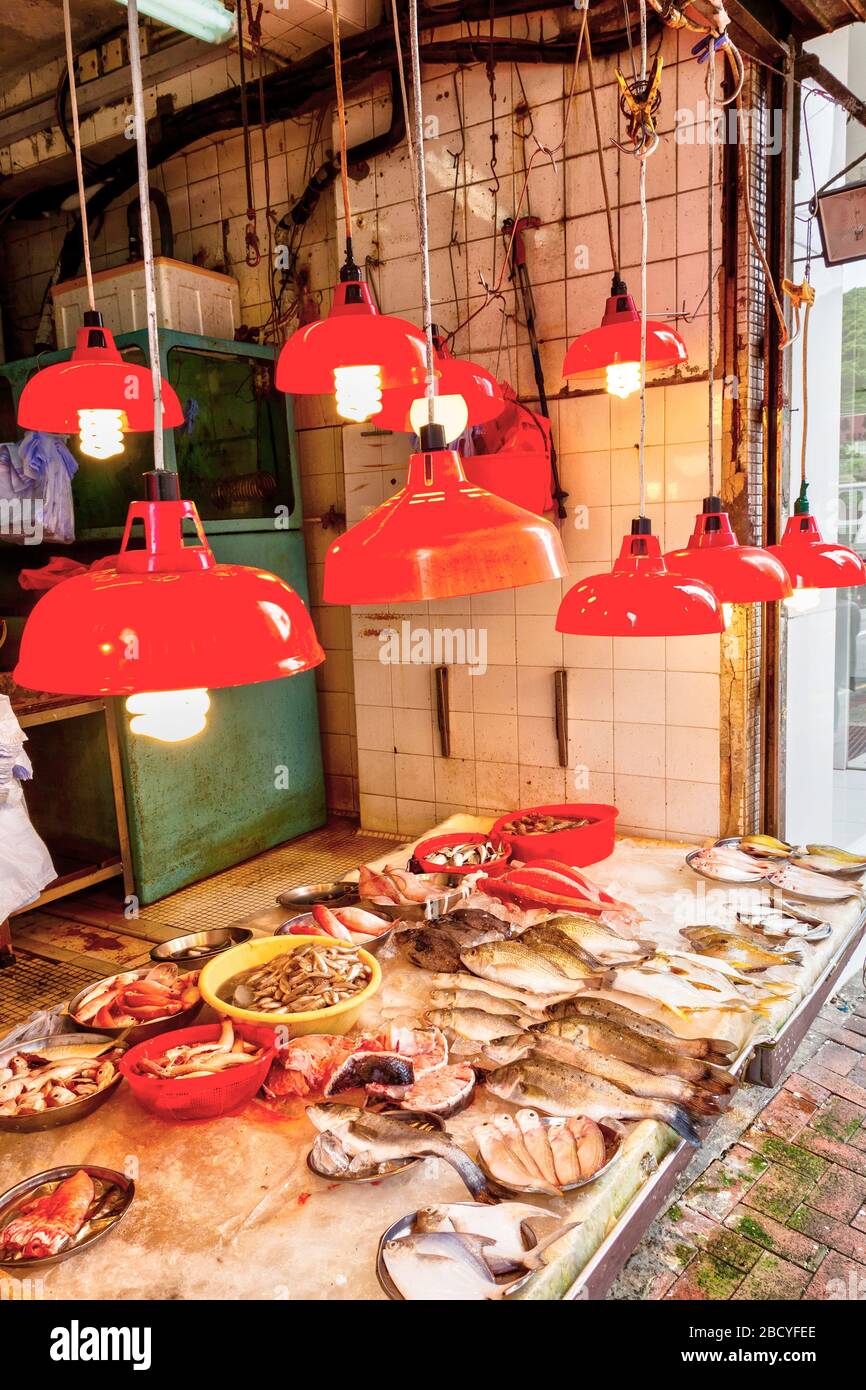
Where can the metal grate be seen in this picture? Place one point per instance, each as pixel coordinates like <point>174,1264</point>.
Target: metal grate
<point>36,983</point>
<point>752,308</point>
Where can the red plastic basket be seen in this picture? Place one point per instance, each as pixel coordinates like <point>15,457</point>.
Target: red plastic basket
<point>457,837</point>
<point>584,845</point>
<point>196,1097</point>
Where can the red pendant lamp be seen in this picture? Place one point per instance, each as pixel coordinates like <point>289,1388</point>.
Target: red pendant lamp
<point>612,352</point>
<point>812,562</point>
<point>354,353</point>
<point>96,394</point>
<point>737,573</point>
<point>455,377</point>
<point>165,617</point>
<point>639,598</point>
<point>440,537</point>
<point>163,623</point>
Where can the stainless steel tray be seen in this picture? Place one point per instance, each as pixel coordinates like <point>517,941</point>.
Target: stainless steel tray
<point>106,1181</point>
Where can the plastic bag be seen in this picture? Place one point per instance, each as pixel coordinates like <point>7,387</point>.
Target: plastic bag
<point>36,486</point>
<point>25,864</point>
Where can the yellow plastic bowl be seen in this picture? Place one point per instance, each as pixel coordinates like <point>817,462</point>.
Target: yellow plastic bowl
<point>337,1018</point>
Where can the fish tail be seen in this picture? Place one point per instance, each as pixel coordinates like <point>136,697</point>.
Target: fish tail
<point>676,1117</point>
<point>717,1082</point>
<point>532,1259</point>
<point>469,1171</point>
<point>703,1103</point>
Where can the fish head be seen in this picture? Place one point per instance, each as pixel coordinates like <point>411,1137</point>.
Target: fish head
<point>330,1117</point>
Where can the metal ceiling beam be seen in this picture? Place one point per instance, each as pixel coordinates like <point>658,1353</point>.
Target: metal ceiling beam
<point>808,65</point>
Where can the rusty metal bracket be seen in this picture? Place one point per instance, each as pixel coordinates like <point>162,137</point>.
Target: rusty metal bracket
<point>443,710</point>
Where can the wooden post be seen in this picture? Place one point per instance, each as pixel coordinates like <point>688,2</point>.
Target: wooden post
<point>7,954</point>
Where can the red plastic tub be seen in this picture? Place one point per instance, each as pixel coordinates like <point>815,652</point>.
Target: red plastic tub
<point>457,837</point>
<point>584,845</point>
<point>192,1097</point>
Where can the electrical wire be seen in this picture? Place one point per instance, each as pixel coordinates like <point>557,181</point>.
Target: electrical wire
<point>711,278</point>
<point>146,234</point>
<point>79,167</point>
<point>421,186</point>
<point>614,250</point>
<point>401,73</point>
<point>341,119</point>
<point>644,255</point>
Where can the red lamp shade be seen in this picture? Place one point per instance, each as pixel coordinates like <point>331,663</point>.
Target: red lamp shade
<point>613,350</point>
<point>96,377</point>
<point>736,573</point>
<point>165,617</point>
<point>639,598</point>
<point>439,537</point>
<point>352,335</point>
<point>814,563</point>
<point>456,377</point>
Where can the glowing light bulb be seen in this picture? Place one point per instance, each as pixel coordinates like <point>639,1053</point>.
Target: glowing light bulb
<point>358,391</point>
<point>622,378</point>
<point>451,412</point>
<point>727,614</point>
<point>803,600</point>
<point>101,433</point>
<point>170,716</point>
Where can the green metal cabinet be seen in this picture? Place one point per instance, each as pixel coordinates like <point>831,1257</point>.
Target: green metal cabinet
<point>254,777</point>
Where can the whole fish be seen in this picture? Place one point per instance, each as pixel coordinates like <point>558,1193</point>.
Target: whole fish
<point>513,963</point>
<point>530,1001</point>
<point>737,950</point>
<point>519,1233</point>
<point>476,1024</point>
<point>569,957</point>
<point>558,1089</point>
<point>730,864</point>
<point>677,992</point>
<point>630,1046</point>
<point>829,859</point>
<point>627,1077</point>
<point>609,1011</point>
<point>470,998</point>
<point>810,884</point>
<point>382,1139</point>
<point>605,945</point>
<point>441,1266</point>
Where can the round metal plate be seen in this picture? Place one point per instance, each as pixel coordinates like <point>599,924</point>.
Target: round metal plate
<point>196,947</point>
<point>415,1119</point>
<point>60,1114</point>
<point>112,1189</point>
<point>612,1147</point>
<point>405,1226</point>
<point>339,893</point>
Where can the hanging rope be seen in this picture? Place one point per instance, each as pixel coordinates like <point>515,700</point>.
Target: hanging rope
<point>614,250</point>
<point>76,139</point>
<point>644,254</point>
<point>341,123</point>
<point>426,294</point>
<point>146,234</point>
<point>711,278</point>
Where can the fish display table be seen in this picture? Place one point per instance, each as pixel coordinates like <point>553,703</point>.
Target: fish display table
<point>228,1209</point>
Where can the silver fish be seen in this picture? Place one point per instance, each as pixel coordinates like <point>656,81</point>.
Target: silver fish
<point>364,1132</point>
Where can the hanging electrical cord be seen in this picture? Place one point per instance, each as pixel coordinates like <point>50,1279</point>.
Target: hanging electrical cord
<point>614,249</point>
<point>644,256</point>
<point>711,277</point>
<point>421,188</point>
<point>401,72</point>
<point>79,166</point>
<point>341,122</point>
<point>146,234</point>
<point>540,151</point>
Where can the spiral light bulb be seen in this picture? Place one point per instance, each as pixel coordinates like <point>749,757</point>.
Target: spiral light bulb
<point>100,433</point>
<point>358,391</point>
<point>169,716</point>
<point>622,378</point>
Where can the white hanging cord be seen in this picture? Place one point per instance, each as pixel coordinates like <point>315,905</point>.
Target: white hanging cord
<point>76,140</point>
<point>644,245</point>
<point>711,289</point>
<point>146,235</point>
<point>418,114</point>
